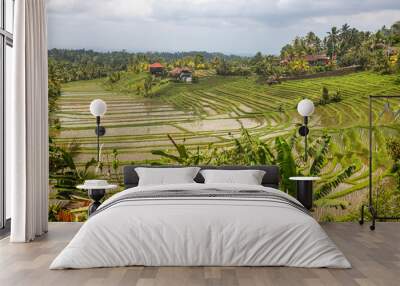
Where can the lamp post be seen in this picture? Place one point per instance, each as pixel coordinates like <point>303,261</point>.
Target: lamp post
<point>305,108</point>
<point>98,108</point>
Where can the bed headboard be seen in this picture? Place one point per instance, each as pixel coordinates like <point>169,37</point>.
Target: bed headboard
<point>271,177</point>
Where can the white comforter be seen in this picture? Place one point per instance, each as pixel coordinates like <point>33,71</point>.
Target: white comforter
<point>211,231</point>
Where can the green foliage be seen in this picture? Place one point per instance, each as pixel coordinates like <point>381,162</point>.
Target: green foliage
<point>62,169</point>
<point>54,92</point>
<point>326,98</point>
<point>325,95</point>
<point>328,218</point>
<point>226,68</point>
<point>246,150</point>
<point>387,198</point>
<point>148,84</point>
<point>287,165</point>
<point>74,65</point>
<point>337,97</point>
<point>54,209</point>
<point>114,77</point>
<point>329,186</point>
<point>331,203</point>
<point>393,147</point>
<point>184,157</point>
<point>115,162</point>
<point>348,46</point>
<point>251,151</point>
<point>320,157</point>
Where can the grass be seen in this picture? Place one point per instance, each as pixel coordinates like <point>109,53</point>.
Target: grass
<point>95,85</point>
<point>127,83</point>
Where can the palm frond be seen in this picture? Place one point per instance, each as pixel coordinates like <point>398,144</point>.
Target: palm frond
<point>90,163</point>
<point>166,155</point>
<point>293,140</point>
<point>320,157</point>
<point>286,164</point>
<point>328,187</point>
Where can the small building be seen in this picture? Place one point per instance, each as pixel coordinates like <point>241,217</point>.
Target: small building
<point>182,74</point>
<point>156,68</point>
<point>317,60</point>
<point>312,60</point>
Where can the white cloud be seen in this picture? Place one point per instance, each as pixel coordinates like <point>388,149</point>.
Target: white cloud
<point>222,9</point>
<point>205,23</point>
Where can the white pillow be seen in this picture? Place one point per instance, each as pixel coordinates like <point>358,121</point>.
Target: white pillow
<point>248,177</point>
<point>166,176</point>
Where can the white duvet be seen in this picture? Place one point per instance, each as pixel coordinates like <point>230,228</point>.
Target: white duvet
<point>202,232</point>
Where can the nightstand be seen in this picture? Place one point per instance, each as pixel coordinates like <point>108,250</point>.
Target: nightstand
<point>96,190</point>
<point>305,190</point>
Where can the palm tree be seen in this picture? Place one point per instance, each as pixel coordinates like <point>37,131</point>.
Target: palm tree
<point>345,28</point>
<point>344,39</point>
<point>312,41</point>
<point>332,40</point>
<point>396,28</point>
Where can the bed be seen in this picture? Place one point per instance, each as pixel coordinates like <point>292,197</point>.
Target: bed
<point>197,224</point>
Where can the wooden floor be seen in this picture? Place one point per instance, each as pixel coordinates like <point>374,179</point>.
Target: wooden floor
<point>375,257</point>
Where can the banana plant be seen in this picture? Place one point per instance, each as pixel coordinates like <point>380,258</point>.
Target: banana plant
<point>184,156</point>
<point>287,165</point>
<point>249,150</point>
<point>63,171</point>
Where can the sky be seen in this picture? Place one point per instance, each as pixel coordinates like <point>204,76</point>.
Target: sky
<point>240,27</point>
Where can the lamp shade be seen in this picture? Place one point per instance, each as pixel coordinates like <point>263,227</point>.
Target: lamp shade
<point>98,107</point>
<point>305,107</point>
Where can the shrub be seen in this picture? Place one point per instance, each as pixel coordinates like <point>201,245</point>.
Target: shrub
<point>325,96</point>
<point>337,96</point>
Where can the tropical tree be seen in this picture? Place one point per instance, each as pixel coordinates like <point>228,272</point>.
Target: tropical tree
<point>114,77</point>
<point>395,32</point>
<point>313,43</point>
<point>332,41</point>
<point>298,66</point>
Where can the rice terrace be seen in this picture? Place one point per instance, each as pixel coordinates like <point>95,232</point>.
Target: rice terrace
<point>229,104</point>
<point>209,114</point>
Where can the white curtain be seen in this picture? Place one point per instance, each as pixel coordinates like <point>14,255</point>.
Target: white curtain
<point>27,124</point>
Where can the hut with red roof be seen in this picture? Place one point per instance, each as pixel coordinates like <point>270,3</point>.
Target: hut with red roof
<point>156,68</point>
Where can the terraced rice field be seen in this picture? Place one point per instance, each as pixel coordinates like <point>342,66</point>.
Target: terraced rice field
<point>215,109</point>
<point>136,125</point>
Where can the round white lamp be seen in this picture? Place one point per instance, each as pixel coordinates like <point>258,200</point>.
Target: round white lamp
<point>98,108</point>
<point>305,108</point>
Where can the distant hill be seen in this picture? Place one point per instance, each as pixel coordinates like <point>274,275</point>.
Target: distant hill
<point>122,57</point>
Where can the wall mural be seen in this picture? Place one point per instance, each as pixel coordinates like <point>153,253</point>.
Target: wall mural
<point>194,108</point>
